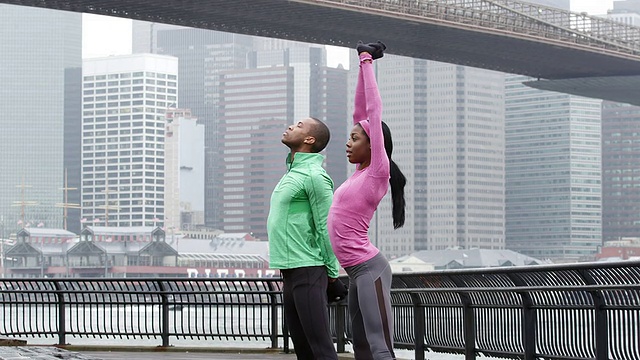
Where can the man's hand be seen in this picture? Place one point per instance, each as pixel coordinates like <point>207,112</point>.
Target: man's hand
<point>336,290</point>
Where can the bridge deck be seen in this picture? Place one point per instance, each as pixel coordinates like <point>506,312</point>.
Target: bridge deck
<point>432,35</point>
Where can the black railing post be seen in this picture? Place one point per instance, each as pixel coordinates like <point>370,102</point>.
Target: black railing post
<point>340,326</point>
<point>419,326</point>
<point>273,297</point>
<point>468,320</point>
<point>601,330</point>
<point>469,324</point>
<point>529,320</point>
<point>285,328</point>
<point>165,314</point>
<point>285,333</point>
<point>62,314</point>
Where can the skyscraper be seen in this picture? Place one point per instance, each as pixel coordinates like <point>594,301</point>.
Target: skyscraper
<point>40,61</point>
<point>123,130</point>
<point>620,171</point>
<point>251,157</point>
<point>554,200</point>
<point>184,171</point>
<point>329,99</point>
<point>620,159</point>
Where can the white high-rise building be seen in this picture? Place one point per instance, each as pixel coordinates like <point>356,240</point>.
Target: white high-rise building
<point>184,170</point>
<point>125,99</point>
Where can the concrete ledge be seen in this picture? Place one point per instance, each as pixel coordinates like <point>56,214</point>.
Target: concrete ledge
<point>12,342</point>
<point>124,348</point>
<point>182,349</point>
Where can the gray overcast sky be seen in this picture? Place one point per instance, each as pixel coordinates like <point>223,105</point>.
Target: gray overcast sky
<point>104,36</point>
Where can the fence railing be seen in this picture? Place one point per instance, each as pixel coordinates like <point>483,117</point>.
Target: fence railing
<point>577,311</point>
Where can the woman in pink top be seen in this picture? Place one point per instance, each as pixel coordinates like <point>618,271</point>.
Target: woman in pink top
<point>354,203</point>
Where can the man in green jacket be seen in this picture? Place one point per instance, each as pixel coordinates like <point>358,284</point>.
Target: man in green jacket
<point>299,243</point>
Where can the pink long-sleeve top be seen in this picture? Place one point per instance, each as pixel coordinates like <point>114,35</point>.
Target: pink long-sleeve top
<point>356,200</point>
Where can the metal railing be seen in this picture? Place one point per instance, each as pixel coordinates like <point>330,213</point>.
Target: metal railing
<point>135,308</point>
<point>577,311</point>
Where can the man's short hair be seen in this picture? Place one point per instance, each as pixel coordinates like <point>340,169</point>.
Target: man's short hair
<point>321,133</point>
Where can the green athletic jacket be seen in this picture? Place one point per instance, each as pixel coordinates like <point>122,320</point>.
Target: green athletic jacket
<point>297,223</point>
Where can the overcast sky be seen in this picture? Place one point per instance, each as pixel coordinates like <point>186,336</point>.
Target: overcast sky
<point>104,36</point>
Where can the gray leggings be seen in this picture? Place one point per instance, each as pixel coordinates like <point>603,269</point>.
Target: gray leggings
<point>370,309</point>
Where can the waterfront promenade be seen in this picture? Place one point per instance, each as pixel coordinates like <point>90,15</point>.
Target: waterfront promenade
<point>180,355</point>
<point>572,311</point>
<point>117,353</point>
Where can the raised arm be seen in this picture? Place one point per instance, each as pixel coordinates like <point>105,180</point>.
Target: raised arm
<point>360,102</point>
<point>379,160</point>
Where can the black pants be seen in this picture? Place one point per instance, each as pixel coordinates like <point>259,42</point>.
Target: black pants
<point>306,314</point>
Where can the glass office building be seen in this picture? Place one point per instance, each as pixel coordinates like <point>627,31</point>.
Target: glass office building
<point>554,199</point>
<point>40,61</point>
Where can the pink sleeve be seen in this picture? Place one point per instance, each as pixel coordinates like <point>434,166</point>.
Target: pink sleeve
<point>360,102</point>
<point>379,160</point>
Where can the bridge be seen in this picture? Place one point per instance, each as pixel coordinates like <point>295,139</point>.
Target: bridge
<point>568,52</point>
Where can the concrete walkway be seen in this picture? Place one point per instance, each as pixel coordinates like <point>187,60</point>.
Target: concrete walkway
<point>38,352</point>
<point>199,355</point>
<point>182,355</point>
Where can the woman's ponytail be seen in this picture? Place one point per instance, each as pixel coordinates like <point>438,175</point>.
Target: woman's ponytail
<point>397,181</point>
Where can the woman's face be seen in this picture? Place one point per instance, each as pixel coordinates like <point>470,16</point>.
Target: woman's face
<point>358,147</point>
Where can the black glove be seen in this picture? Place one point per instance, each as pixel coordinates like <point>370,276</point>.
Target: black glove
<point>376,49</point>
<point>336,291</point>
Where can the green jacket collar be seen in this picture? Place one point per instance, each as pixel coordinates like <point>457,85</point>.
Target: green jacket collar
<point>303,158</point>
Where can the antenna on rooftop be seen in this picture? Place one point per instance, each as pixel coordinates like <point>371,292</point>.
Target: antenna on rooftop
<point>107,206</point>
<point>22,202</point>
<point>66,204</point>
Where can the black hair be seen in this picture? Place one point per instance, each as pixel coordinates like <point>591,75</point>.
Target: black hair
<point>322,135</point>
<point>397,181</point>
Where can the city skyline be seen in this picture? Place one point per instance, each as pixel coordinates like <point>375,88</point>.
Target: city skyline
<point>461,135</point>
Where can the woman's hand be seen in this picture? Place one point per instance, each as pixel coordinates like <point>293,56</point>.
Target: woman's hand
<point>376,49</point>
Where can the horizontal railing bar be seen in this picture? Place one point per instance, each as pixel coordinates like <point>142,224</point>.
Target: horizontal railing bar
<point>517,289</point>
<point>136,292</point>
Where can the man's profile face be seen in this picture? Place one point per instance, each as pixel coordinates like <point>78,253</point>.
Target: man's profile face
<point>295,134</point>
